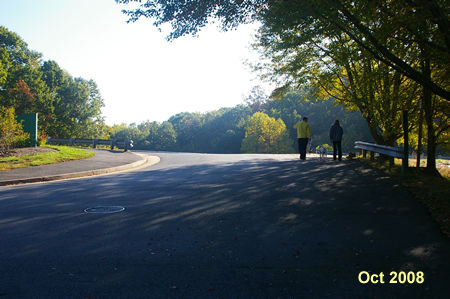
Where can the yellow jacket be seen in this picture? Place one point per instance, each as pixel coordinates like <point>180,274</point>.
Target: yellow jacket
<point>303,129</point>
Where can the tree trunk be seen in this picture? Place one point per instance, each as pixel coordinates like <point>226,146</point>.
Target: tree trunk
<point>428,107</point>
<point>419,139</point>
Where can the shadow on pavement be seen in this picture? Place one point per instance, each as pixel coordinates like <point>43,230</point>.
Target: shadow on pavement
<point>246,229</point>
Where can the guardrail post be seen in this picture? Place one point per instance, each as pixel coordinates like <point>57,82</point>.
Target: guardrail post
<point>94,143</point>
<point>391,161</point>
<point>112,144</point>
<point>372,156</point>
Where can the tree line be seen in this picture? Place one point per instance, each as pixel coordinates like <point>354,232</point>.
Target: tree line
<point>71,107</point>
<point>380,57</point>
<point>66,106</point>
<point>260,125</point>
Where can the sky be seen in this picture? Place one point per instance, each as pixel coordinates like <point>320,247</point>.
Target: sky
<point>141,76</point>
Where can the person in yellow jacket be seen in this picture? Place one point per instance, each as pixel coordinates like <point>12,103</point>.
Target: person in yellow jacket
<point>303,135</point>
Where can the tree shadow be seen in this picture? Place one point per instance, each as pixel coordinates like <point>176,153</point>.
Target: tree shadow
<point>243,227</point>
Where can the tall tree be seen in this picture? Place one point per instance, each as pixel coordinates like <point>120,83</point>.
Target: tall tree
<point>321,115</point>
<point>21,84</point>
<point>160,137</point>
<point>343,61</point>
<point>187,127</point>
<point>67,107</point>
<point>265,134</point>
<point>376,27</point>
<point>78,111</point>
<point>335,68</point>
<point>188,17</point>
<point>373,25</point>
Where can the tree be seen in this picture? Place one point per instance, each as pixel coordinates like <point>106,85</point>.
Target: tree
<point>335,68</point>
<point>256,99</point>
<point>266,135</point>
<point>321,115</point>
<point>78,110</point>
<point>223,130</point>
<point>405,38</point>
<point>67,107</point>
<point>161,137</point>
<point>21,84</point>
<point>21,97</point>
<point>123,131</point>
<point>10,131</point>
<point>338,61</point>
<point>188,17</point>
<point>227,129</point>
<point>187,127</point>
<point>373,25</point>
<point>4,66</point>
<point>421,28</point>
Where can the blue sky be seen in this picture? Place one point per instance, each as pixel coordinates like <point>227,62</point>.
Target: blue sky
<point>140,75</point>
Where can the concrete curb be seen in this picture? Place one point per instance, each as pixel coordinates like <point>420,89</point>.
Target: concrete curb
<point>144,162</point>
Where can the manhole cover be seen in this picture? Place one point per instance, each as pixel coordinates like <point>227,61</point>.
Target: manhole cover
<point>105,209</point>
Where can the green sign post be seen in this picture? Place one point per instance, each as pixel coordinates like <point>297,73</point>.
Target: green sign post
<point>29,123</point>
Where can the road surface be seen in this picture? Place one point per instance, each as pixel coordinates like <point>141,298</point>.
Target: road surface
<point>222,226</point>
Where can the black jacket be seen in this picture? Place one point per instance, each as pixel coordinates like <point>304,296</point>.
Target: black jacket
<point>336,133</point>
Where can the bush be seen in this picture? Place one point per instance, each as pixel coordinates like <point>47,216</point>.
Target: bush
<point>11,133</point>
<point>326,146</point>
<point>42,139</point>
<point>23,140</point>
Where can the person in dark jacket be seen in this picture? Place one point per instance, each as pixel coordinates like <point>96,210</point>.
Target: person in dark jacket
<point>336,133</point>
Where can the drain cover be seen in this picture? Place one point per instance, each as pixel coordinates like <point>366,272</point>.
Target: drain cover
<point>105,209</point>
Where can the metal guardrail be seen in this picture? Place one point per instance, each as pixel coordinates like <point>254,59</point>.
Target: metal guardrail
<point>123,144</point>
<point>391,151</point>
<point>396,152</point>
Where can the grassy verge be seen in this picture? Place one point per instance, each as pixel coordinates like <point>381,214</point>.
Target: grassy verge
<point>63,153</point>
<point>432,190</point>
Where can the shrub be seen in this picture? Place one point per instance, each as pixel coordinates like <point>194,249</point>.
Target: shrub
<point>23,140</point>
<point>11,133</point>
<point>42,139</point>
<point>326,146</point>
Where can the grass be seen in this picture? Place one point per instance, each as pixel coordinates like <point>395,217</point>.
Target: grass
<point>63,153</point>
<point>432,190</point>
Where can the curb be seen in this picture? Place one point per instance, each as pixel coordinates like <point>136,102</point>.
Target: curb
<point>144,162</point>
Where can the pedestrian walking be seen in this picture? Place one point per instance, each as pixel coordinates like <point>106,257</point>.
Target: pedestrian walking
<point>303,135</point>
<point>336,133</point>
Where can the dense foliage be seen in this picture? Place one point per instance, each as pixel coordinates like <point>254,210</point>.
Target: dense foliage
<point>373,25</point>
<point>379,56</point>
<point>233,130</point>
<point>265,134</point>
<point>11,133</point>
<point>66,106</point>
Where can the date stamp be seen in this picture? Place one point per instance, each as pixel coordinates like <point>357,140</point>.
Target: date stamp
<point>394,277</point>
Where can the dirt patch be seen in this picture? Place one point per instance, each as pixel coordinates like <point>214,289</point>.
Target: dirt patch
<point>30,151</point>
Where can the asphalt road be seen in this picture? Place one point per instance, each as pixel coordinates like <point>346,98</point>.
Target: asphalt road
<point>221,226</point>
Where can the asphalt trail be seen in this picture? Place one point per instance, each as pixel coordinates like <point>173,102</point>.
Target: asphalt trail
<point>220,226</point>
